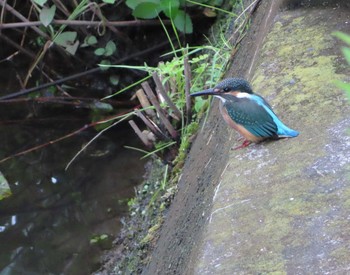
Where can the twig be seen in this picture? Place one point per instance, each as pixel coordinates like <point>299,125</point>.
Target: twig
<point>65,79</point>
<point>64,137</point>
<point>21,17</point>
<point>33,24</point>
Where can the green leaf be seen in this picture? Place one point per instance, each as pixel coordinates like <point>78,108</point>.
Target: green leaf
<point>65,38</point>
<point>346,52</point>
<point>132,3</point>
<point>101,107</point>
<point>114,79</point>
<point>342,36</point>
<point>170,7</point>
<point>147,10</point>
<point>40,2</point>
<point>109,1</point>
<point>344,86</point>
<point>47,14</point>
<point>105,62</point>
<point>183,22</point>
<point>110,48</point>
<point>91,40</point>
<point>100,51</point>
<point>72,48</point>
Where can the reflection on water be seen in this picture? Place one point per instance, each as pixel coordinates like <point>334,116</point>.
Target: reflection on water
<point>47,224</point>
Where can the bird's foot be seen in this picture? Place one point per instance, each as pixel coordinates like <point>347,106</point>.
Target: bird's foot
<point>243,145</point>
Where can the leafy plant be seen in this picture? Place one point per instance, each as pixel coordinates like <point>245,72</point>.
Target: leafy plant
<point>346,51</point>
<point>148,9</point>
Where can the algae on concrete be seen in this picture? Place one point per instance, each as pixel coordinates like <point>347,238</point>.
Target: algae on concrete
<point>283,207</point>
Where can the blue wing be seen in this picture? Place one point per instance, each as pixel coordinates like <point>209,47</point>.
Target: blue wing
<point>256,115</point>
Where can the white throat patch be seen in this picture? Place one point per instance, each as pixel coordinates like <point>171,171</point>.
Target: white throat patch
<point>243,95</point>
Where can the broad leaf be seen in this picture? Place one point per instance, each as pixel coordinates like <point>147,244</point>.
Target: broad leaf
<point>170,7</point>
<point>183,22</point>
<point>66,38</point>
<point>146,10</point>
<point>47,14</point>
<point>110,48</point>
<point>91,40</point>
<point>105,62</point>
<point>133,3</point>
<point>100,51</point>
<point>72,48</point>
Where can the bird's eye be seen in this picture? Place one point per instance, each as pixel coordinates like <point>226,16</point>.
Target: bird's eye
<point>226,89</point>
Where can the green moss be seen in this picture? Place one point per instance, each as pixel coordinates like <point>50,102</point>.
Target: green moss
<point>272,197</point>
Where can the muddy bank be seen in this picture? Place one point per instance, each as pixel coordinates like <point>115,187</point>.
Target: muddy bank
<point>278,206</point>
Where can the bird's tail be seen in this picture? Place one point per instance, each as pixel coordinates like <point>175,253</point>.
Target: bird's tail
<point>284,131</point>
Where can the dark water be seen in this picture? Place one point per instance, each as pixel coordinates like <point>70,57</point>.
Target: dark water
<point>47,225</point>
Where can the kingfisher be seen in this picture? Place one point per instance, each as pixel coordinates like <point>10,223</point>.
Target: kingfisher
<point>248,113</point>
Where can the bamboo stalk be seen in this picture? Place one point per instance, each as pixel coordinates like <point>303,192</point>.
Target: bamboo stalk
<point>145,103</point>
<point>165,96</point>
<point>155,103</point>
<point>139,133</point>
<point>151,125</point>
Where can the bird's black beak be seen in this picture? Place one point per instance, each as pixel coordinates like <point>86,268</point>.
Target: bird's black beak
<point>205,92</point>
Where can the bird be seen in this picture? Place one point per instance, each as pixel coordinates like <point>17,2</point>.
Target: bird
<point>247,112</point>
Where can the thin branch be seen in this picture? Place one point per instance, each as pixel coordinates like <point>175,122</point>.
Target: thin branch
<point>133,23</point>
<point>22,18</point>
<point>94,70</point>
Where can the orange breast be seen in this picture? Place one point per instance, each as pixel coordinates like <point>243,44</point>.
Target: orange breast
<point>239,128</point>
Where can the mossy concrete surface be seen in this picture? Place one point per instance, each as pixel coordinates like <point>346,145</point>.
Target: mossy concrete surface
<point>283,207</point>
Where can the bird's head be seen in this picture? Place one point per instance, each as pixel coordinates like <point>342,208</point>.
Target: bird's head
<point>231,86</point>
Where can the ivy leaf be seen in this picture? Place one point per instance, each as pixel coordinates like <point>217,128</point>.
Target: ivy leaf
<point>183,22</point>
<point>65,39</point>
<point>147,10</point>
<point>40,2</point>
<point>47,14</point>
